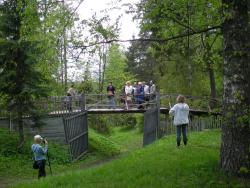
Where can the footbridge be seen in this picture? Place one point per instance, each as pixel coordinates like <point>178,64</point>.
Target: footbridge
<point>66,118</point>
<point>99,104</point>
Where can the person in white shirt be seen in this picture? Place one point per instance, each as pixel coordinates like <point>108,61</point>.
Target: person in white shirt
<point>71,93</point>
<point>152,90</point>
<point>134,92</point>
<point>146,91</point>
<point>180,111</point>
<point>128,92</point>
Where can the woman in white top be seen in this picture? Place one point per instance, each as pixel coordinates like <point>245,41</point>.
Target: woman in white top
<point>128,92</point>
<point>180,111</point>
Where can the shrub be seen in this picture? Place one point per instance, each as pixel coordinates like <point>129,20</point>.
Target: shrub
<point>140,122</point>
<point>102,144</point>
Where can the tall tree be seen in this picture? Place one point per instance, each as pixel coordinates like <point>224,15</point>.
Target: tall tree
<point>116,71</point>
<point>20,49</point>
<point>175,59</point>
<point>236,103</point>
<point>140,61</point>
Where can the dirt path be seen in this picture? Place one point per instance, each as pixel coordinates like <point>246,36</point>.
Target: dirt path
<point>99,162</point>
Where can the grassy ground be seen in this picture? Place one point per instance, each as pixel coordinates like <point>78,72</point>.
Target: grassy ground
<point>16,167</point>
<point>128,139</point>
<point>159,165</point>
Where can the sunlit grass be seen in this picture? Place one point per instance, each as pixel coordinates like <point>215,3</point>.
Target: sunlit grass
<point>161,164</point>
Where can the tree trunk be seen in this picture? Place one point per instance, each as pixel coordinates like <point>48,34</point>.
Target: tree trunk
<point>100,71</point>
<point>65,60</point>
<point>20,129</point>
<point>213,93</point>
<point>235,128</point>
<point>65,56</point>
<point>104,60</point>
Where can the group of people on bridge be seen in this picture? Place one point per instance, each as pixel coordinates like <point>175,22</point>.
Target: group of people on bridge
<point>180,112</point>
<point>137,94</point>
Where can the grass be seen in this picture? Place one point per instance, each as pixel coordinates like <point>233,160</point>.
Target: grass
<point>15,167</point>
<point>129,139</point>
<point>161,164</point>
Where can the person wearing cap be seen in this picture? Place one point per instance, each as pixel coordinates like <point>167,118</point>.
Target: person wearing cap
<point>40,154</point>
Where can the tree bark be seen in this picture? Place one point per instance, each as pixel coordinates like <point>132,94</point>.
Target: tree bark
<point>20,129</point>
<point>65,56</point>
<point>236,100</point>
<point>213,93</point>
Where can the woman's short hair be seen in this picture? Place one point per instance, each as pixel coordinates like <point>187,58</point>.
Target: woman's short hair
<point>180,99</point>
<point>37,138</point>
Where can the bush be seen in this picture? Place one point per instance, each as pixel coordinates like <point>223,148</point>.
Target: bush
<point>8,148</point>
<point>104,123</point>
<point>102,144</point>
<point>99,123</point>
<point>140,122</point>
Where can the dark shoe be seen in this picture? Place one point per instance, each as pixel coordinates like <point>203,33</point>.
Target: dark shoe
<point>185,143</point>
<point>178,144</point>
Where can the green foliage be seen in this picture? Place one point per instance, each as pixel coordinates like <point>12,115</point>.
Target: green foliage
<point>85,87</point>
<point>100,124</point>
<point>105,123</point>
<point>20,51</point>
<point>12,163</point>
<point>185,64</point>
<point>140,122</point>
<point>102,144</point>
<point>158,165</point>
<point>116,68</point>
<point>141,64</point>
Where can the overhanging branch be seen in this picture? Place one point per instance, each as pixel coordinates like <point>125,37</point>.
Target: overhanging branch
<point>214,29</point>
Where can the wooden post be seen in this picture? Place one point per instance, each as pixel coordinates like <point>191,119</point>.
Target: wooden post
<point>159,115</point>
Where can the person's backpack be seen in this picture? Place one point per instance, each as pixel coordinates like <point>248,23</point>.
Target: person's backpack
<point>35,165</point>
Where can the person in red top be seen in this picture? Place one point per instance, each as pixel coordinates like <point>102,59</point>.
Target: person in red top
<point>111,95</point>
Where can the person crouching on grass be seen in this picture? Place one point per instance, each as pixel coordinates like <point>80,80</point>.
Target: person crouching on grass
<point>40,155</point>
<point>180,112</point>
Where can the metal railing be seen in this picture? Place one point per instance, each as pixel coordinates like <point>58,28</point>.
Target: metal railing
<point>76,134</point>
<point>196,123</point>
<point>61,105</point>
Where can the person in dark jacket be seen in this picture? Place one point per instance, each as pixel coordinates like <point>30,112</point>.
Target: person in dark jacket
<point>111,95</point>
<point>140,94</point>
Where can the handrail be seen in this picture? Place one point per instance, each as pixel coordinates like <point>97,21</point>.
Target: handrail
<point>57,105</point>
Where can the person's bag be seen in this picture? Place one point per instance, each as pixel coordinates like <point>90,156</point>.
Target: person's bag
<point>35,165</point>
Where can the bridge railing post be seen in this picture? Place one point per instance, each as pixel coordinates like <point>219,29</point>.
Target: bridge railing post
<point>82,102</point>
<point>158,106</point>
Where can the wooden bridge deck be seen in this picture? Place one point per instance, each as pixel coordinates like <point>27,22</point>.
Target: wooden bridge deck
<point>98,104</point>
<point>124,111</point>
<point>163,110</point>
<point>135,110</point>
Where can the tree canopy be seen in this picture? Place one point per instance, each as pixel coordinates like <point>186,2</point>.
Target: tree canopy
<point>194,47</point>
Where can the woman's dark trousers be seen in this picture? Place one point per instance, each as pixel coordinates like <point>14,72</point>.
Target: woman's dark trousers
<point>181,129</point>
<point>41,167</point>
